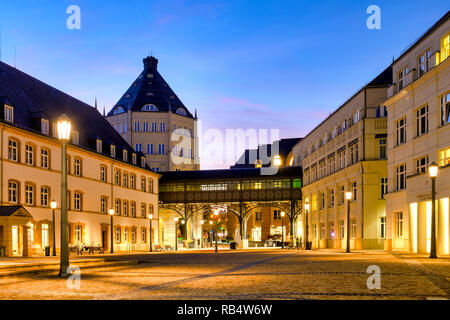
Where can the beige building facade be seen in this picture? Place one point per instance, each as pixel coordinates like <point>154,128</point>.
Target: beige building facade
<point>347,152</point>
<point>103,173</point>
<point>418,107</point>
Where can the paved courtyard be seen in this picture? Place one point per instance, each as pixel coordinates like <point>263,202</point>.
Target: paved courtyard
<point>250,274</point>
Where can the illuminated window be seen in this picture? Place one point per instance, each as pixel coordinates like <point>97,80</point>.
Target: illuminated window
<point>113,151</point>
<point>445,47</point>
<point>78,233</point>
<point>384,187</point>
<point>118,235</point>
<point>45,239</point>
<point>103,204</point>
<point>444,157</point>
<point>99,146</point>
<point>75,137</point>
<point>143,183</point>
<point>77,167</point>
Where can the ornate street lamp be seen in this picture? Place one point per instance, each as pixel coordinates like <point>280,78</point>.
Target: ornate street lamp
<point>176,231</point>
<point>277,161</point>
<point>348,196</point>
<point>53,206</point>
<point>282,229</point>
<point>150,218</point>
<point>433,171</point>
<point>64,126</point>
<point>111,213</point>
<point>306,225</point>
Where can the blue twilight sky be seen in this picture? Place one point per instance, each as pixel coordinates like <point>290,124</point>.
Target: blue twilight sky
<point>243,64</point>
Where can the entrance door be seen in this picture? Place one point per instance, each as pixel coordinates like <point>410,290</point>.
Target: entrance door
<point>15,240</point>
<point>45,236</point>
<point>104,239</point>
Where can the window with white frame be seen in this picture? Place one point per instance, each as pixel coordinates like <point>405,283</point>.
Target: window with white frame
<point>125,208</point>
<point>29,194</point>
<point>153,126</point>
<point>125,155</point>
<point>103,173</point>
<point>136,126</point>
<point>75,137</point>
<point>331,164</point>
<point>77,167</point>
<point>402,78</point>
<point>45,126</point>
<point>422,120</point>
<point>401,131</point>
<point>356,117</point>
<point>117,177</point>
<point>118,235</point>
<point>77,201</point>
<point>44,158</point>
<point>103,204</point>
<point>401,177</point>
<point>29,154</point>
<point>133,209</point>
<point>132,181</point>
<point>134,158</point>
<point>341,156</point>
<point>354,156</point>
<point>125,234</point>
<point>322,231</point>
<point>13,154</point>
<point>331,198</point>
<point>143,183</point>
<point>145,126</point>
<point>133,234</point>
<point>150,185</point>
<point>143,210</point>
<point>143,235</point>
<point>322,200</point>
<point>138,147</point>
<point>445,109</point>
<point>118,207</point>
<point>125,180</point>
<point>445,47</point>
<point>342,229</point>
<point>323,169</point>
<point>354,190</point>
<point>161,148</point>
<point>44,196</point>
<point>422,165</point>
<point>13,192</point>
<point>149,148</point>
<point>78,234</point>
<point>341,195</point>
<point>9,113</point>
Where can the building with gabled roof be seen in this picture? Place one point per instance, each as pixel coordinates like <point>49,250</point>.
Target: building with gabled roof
<point>152,118</point>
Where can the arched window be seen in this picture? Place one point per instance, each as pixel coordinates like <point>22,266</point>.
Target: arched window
<point>181,111</point>
<point>118,110</point>
<point>149,107</point>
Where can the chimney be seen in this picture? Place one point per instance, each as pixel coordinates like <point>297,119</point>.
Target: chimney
<point>150,63</point>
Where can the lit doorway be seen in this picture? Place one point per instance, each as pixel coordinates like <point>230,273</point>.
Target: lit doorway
<point>45,236</point>
<point>256,234</point>
<point>15,240</point>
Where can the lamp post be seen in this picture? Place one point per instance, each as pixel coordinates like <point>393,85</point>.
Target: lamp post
<point>53,206</point>
<point>201,232</point>
<point>64,126</point>
<point>433,171</point>
<point>111,213</point>
<point>306,225</point>
<point>211,224</point>
<point>282,229</point>
<point>176,238</point>
<point>348,196</point>
<point>150,218</point>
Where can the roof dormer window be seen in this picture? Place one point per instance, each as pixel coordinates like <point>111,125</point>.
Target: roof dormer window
<point>134,158</point>
<point>150,75</point>
<point>99,145</point>
<point>142,161</point>
<point>118,110</point>
<point>76,137</point>
<point>9,113</point>
<point>45,126</point>
<point>149,107</point>
<point>113,151</point>
<point>181,112</point>
<point>125,155</point>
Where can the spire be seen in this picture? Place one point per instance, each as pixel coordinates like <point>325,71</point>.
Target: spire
<point>104,111</point>
<point>195,117</point>
<point>96,104</point>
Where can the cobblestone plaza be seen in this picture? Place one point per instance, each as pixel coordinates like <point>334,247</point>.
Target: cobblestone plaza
<point>249,274</point>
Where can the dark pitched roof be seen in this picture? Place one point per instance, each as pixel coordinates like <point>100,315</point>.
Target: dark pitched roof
<point>249,156</point>
<point>242,173</point>
<point>32,100</point>
<point>6,211</point>
<point>150,88</point>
